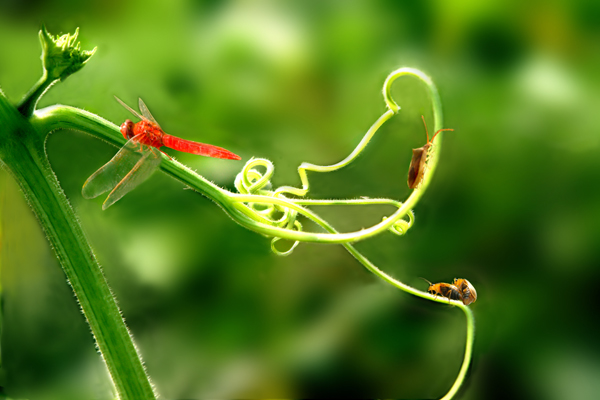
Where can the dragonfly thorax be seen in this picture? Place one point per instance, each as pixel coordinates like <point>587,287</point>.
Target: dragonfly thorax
<point>148,133</point>
<point>145,132</point>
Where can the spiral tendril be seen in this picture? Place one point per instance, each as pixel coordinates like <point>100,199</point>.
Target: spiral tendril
<point>401,226</point>
<point>281,207</point>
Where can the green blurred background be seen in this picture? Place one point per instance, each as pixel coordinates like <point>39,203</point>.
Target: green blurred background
<point>514,206</point>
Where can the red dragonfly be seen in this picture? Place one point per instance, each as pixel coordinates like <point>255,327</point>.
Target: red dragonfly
<point>140,157</point>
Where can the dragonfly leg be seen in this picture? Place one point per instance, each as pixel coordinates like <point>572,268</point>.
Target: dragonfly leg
<point>137,141</point>
<point>170,158</point>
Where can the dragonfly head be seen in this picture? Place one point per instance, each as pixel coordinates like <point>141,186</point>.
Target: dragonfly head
<point>127,129</point>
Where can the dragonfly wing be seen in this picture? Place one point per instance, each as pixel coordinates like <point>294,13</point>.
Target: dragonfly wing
<point>145,166</point>
<point>111,173</point>
<point>146,112</point>
<point>131,110</point>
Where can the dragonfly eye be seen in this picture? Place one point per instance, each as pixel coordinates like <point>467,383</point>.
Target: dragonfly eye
<point>127,129</point>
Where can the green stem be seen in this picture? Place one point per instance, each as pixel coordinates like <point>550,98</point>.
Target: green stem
<point>30,100</point>
<point>425,295</point>
<point>22,151</point>
<point>329,168</point>
<point>415,292</point>
<point>436,103</point>
<point>468,353</point>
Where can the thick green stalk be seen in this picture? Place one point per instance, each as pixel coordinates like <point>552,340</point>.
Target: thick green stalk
<point>22,152</point>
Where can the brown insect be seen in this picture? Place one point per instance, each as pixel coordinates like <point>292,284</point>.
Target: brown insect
<point>446,290</point>
<point>419,159</point>
<point>467,291</point>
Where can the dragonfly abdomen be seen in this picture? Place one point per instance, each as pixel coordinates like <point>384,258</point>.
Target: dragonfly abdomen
<point>188,146</point>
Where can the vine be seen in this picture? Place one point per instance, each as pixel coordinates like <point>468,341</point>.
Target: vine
<point>274,213</point>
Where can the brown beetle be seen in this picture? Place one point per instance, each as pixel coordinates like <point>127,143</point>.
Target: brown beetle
<point>446,290</point>
<point>467,291</point>
<point>419,159</point>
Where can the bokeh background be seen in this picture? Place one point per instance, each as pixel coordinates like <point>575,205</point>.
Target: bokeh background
<point>514,206</point>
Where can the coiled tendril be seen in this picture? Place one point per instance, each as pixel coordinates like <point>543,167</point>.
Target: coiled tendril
<point>253,182</point>
<point>281,207</point>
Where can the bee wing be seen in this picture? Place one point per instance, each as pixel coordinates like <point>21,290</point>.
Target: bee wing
<point>131,110</point>
<point>146,112</point>
<point>148,163</point>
